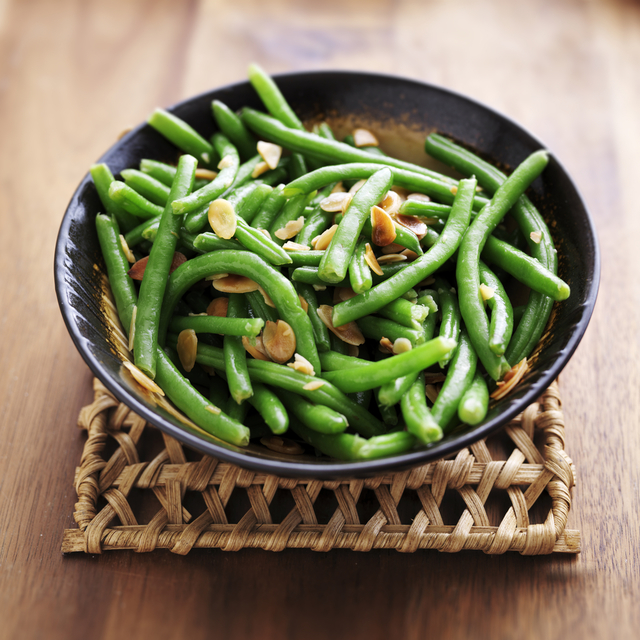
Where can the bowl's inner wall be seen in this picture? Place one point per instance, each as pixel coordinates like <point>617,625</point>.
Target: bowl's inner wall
<point>408,108</point>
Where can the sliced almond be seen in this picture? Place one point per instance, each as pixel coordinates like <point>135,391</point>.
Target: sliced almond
<point>222,218</point>
<point>392,248</point>
<point>255,347</point>
<point>279,341</point>
<point>302,365</point>
<point>218,307</point>
<point>291,229</point>
<point>511,379</point>
<point>386,346</point>
<point>313,385</point>
<point>420,197</point>
<point>346,203</point>
<point>142,379</point>
<point>321,242</point>
<point>410,255</point>
<point>267,298</point>
<point>282,445</point>
<point>211,408</point>
<point>304,304</point>
<point>357,186</point>
<point>128,254</point>
<point>206,174</point>
<point>187,348</point>
<point>259,169</point>
<point>349,333</point>
<point>235,284</point>
<point>132,326</point>
<point>339,188</point>
<point>364,138</point>
<point>227,161</point>
<point>294,246</point>
<point>265,232</point>
<point>372,261</point>
<point>454,190</point>
<point>426,282</point>
<point>402,345</point>
<point>391,257</point>
<point>319,287</point>
<point>434,378</point>
<point>383,230</point>
<point>334,201</point>
<point>340,294</point>
<point>137,270</point>
<point>431,391</point>
<point>198,315</point>
<point>413,223</point>
<point>486,292</point>
<point>536,236</point>
<point>391,203</point>
<point>270,153</point>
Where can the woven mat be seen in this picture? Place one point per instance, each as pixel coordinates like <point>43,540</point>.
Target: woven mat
<point>142,490</point>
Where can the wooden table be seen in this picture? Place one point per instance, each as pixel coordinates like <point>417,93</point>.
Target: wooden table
<point>74,74</point>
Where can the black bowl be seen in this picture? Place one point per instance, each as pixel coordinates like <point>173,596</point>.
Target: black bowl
<point>401,112</point>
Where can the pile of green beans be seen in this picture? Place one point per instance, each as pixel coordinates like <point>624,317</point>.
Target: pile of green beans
<point>362,340</point>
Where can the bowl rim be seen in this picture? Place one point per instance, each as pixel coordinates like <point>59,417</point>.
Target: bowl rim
<point>333,469</point>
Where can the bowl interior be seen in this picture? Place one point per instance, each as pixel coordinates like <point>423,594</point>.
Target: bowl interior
<point>401,112</point>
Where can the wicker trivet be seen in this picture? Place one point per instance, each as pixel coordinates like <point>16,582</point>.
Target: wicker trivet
<point>192,501</point>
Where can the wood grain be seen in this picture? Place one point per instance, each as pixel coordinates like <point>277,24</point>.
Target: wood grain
<point>73,75</point>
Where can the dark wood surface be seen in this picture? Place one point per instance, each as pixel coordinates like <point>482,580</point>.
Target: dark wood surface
<point>73,75</point>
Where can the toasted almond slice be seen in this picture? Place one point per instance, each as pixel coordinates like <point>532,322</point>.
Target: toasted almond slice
<point>392,248</point>
<point>265,232</point>
<point>282,445</point>
<point>217,276</point>
<point>431,391</point>
<point>302,365</point>
<point>206,174</point>
<point>255,347</point>
<point>334,201</point>
<point>383,230</point>
<point>319,287</point>
<point>294,246</point>
<point>372,261</point>
<point>304,304</point>
<point>142,379</point>
<point>426,282</point>
<point>279,341</point>
<point>132,326</point>
<point>270,153</point>
<point>267,298</point>
<point>313,385</point>
<point>486,292</point>
<point>197,315</point>
<point>434,378</point>
<point>218,307</point>
<point>391,202</point>
<point>364,138</point>
<point>357,186</point>
<point>391,257</point>
<point>137,270</point>
<point>349,333</point>
<point>227,161</point>
<point>401,345</point>
<point>206,157</point>
<point>536,236</point>
<point>511,379</point>
<point>340,294</point>
<point>339,188</point>
<point>346,203</point>
<point>235,284</point>
<point>454,190</point>
<point>259,169</point>
<point>128,254</point>
<point>411,255</point>
<point>211,408</point>
<point>413,223</point>
<point>386,346</point>
<point>420,197</point>
<point>321,242</point>
<point>187,348</point>
<point>291,229</point>
<point>222,218</point>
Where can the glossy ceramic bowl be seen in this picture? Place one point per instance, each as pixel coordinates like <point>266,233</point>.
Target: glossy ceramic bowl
<point>401,112</point>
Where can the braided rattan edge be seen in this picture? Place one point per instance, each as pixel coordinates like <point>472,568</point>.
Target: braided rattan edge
<point>473,474</point>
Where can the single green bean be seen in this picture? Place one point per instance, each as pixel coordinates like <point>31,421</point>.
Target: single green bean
<point>474,403</point>
<point>393,391</point>
<point>132,201</point>
<point>270,407</point>
<point>501,324</point>
<point>260,308</point>
<point>450,312</point>
<point>309,258</point>
<point>314,416</point>
<point>269,209</point>
<point>232,127</point>
<point>256,241</point>
<point>320,331</point>
<point>425,209</point>
<point>359,271</point>
<point>378,328</point>
<point>136,235</point>
<point>146,185</point>
<point>310,275</point>
<point>235,355</point>
<point>252,202</point>
<point>208,241</point>
<point>103,178</point>
<point>389,444</point>
<point>229,326</point>
<point>419,420</point>
<point>405,313</point>
<point>342,446</point>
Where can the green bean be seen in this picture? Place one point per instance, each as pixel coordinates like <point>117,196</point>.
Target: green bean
<point>252,202</point>
<point>232,127</point>
<point>405,313</point>
<point>361,398</point>
<point>196,406</point>
<point>335,361</point>
<point>475,401</point>
<point>393,391</point>
<point>467,271</point>
<point>245,170</point>
<point>501,324</point>
<point>244,263</point>
<point>525,269</point>
<point>132,201</point>
<point>235,356</point>
<point>237,411</point>
<point>389,444</point>
<point>102,179</point>
<point>229,326</point>
<point>183,135</point>
<point>320,331</point>
<point>419,420</point>
<point>270,407</point>
<point>310,275</point>
<point>324,130</point>
<point>309,258</point>
<point>334,264</point>
<point>314,416</point>
<point>160,171</point>
<point>292,210</point>
<point>378,328</point>
<point>459,377</point>
<point>216,187</point>
<point>256,241</point>
<point>152,287</point>
<point>152,189</point>
<point>315,224</point>
<point>124,291</point>
<point>425,209</point>
<point>260,308</point>
<point>359,271</point>
<point>208,241</point>
<point>450,311</point>
<point>269,209</point>
<point>342,446</point>
<point>413,273</point>
<point>135,236</point>
<point>151,230</point>
<point>378,373</point>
